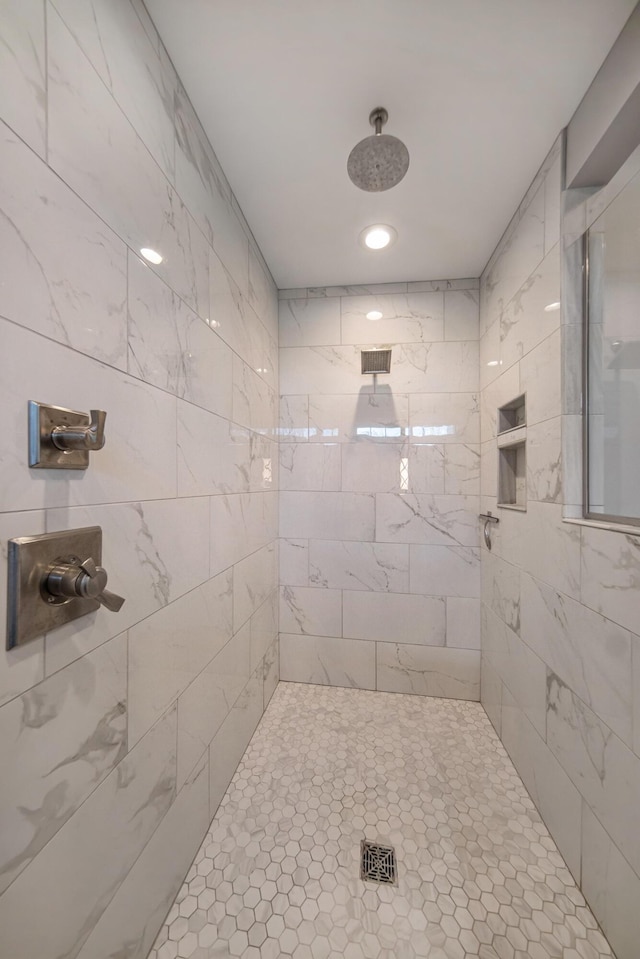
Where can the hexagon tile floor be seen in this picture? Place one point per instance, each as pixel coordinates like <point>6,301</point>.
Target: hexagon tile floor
<point>278,873</point>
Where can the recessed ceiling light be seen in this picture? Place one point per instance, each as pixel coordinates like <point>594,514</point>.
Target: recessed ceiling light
<point>151,255</point>
<point>493,363</point>
<point>378,236</point>
<point>374,315</point>
<point>552,307</point>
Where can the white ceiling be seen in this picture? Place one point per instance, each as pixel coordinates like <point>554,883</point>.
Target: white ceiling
<point>477,89</point>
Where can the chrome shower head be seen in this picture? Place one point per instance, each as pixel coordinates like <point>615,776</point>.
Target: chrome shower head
<point>380,161</point>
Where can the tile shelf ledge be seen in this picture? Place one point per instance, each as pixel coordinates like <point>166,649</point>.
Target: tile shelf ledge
<point>597,524</point>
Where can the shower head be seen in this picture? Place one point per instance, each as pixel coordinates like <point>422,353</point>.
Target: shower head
<point>380,161</point>
<point>375,361</point>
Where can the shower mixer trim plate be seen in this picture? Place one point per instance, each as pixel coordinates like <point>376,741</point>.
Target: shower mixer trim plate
<point>53,579</point>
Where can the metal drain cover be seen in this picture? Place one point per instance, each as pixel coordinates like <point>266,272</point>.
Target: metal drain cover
<point>378,863</point>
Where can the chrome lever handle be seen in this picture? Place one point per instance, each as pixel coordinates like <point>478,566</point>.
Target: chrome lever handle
<point>89,437</point>
<point>110,601</point>
<point>81,579</point>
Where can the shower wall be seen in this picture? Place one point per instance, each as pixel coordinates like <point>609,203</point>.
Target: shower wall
<point>120,732</point>
<point>560,600</point>
<point>379,477</point>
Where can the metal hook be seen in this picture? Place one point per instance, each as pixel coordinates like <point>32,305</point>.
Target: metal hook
<point>488,519</point>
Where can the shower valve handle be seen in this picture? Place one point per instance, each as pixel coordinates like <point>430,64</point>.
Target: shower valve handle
<point>71,580</point>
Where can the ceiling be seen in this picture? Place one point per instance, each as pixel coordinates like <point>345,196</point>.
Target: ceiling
<point>477,89</point>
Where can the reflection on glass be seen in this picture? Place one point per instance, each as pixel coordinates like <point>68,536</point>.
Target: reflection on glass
<point>613,360</point>
<point>433,430</point>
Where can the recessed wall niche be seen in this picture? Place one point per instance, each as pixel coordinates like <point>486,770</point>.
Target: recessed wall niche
<point>512,454</point>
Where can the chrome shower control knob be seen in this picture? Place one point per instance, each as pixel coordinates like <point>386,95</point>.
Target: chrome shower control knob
<point>71,580</point>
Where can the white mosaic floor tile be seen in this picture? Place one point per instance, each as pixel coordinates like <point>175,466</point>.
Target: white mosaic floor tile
<point>278,873</point>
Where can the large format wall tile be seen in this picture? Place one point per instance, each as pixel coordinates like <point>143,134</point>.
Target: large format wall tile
<point>57,742</point>
<point>136,71</point>
<point>560,600</point>
<point>375,470</point>
<point>138,460</point>
<point>327,661</point>
<point>64,271</point>
<point>103,154</point>
<point>604,770</point>
<point>172,347</point>
<point>77,873</point>
<point>155,875</point>
<point>451,673</point>
<point>349,565</point>
<point>154,552</point>
<point>23,102</point>
<point>93,147</point>
<point>406,318</point>
<point>168,650</point>
<point>394,617</point>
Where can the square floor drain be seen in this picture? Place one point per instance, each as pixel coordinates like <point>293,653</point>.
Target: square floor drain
<point>378,863</point>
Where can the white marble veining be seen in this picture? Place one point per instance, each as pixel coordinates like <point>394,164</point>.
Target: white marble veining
<point>136,71</point>
<point>590,653</point>
<point>328,661</point>
<point>427,520</point>
<point>22,72</point>
<point>540,379</point>
<point>207,700</point>
<point>605,771</point>
<point>77,721</point>
<point>95,149</point>
<point>172,347</point>
<point>75,876</point>
<point>121,731</point>
<point>610,885</point>
<point>544,461</point>
<point>428,671</point>
<point>560,601</point>
<point>253,580</point>
<point>240,524</point>
<point>610,575</point>
<point>139,457</point>
<point>160,546</point>
<point>461,314</point>
<point>294,562</point>
<point>526,321</point>
<point>406,318</point>
<point>311,466</point>
<point>306,610</point>
<point>64,273</point>
<point>310,322</point>
<point>523,673</point>
<point>155,875</point>
<point>368,566</point>
<point>518,254</point>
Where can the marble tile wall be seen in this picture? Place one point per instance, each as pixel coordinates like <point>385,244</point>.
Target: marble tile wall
<point>379,489</point>
<point>120,733</point>
<point>560,675</point>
